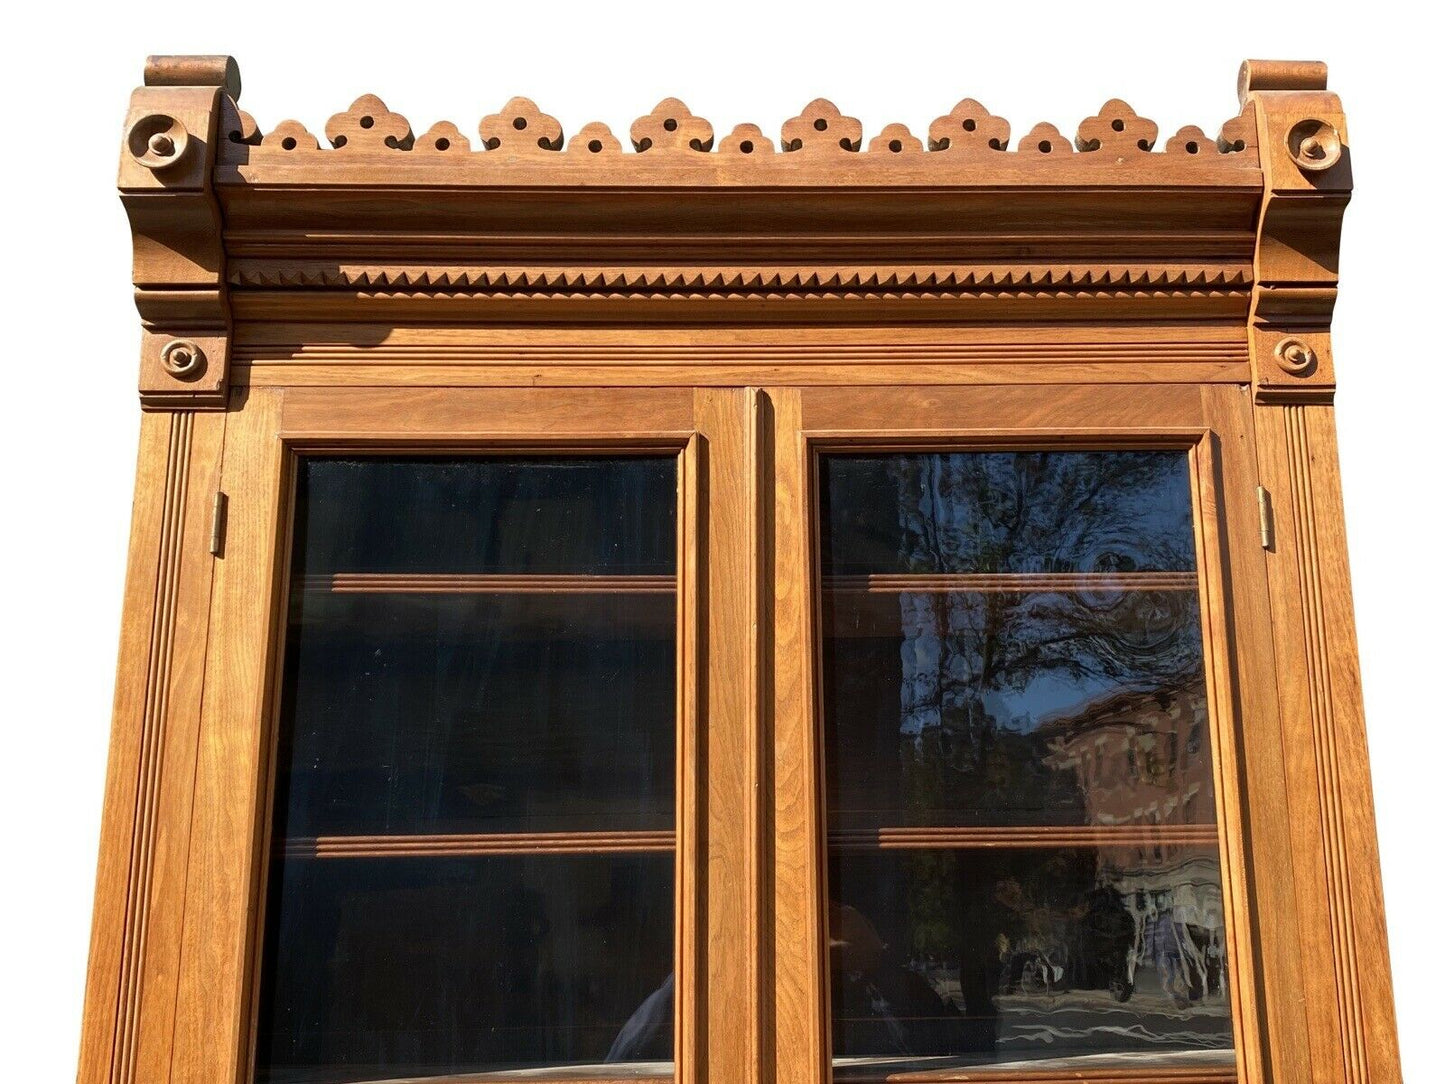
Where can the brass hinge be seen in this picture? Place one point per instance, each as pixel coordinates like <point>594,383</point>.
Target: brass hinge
<point>1266,518</point>
<point>218,524</point>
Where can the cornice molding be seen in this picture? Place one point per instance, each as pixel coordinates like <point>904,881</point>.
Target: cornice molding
<point>820,221</point>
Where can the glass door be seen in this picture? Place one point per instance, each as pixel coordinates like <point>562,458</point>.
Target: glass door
<point>1021,720</point>
<point>1023,859</point>
<point>474,833</point>
<point>471,665</point>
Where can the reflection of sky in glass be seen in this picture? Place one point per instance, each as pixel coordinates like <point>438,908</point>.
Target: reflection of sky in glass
<point>1015,661</point>
<point>1011,661</point>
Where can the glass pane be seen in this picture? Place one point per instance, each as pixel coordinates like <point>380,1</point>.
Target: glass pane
<point>406,967</point>
<point>1084,707</point>
<point>479,713</point>
<point>474,804</point>
<point>1017,758</point>
<point>581,515</point>
<point>961,957</point>
<point>1007,512</point>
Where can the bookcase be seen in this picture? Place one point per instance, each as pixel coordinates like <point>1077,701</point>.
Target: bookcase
<point>736,609</point>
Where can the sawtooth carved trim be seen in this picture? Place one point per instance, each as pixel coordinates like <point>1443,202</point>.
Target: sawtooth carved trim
<point>817,279</point>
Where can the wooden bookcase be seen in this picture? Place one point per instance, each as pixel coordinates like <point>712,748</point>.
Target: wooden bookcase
<point>755,319</point>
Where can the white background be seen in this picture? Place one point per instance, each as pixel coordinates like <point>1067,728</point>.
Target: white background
<point>69,373</point>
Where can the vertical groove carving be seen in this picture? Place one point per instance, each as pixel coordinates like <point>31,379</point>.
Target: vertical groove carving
<point>157,696</point>
<point>1326,746</point>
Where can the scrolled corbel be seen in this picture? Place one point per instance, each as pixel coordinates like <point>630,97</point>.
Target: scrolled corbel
<point>1304,154</point>
<point>168,155</point>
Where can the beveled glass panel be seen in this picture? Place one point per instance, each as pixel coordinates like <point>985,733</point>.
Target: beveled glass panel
<point>1024,863</point>
<point>1087,954</point>
<point>390,968</point>
<point>474,805</point>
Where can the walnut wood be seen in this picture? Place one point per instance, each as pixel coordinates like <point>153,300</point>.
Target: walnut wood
<point>746,300</point>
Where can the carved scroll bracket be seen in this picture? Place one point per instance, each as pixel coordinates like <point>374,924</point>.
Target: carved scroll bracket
<point>1305,157</point>
<point>167,165</point>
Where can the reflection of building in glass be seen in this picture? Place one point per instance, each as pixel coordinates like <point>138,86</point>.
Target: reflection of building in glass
<point>1142,759</point>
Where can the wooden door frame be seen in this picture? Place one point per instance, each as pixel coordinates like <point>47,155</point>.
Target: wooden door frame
<point>212,1032</point>
<point>1195,420</point>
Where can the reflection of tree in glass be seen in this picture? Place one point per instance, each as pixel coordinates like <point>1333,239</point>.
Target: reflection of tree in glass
<point>1044,512</point>
<point>978,667</point>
